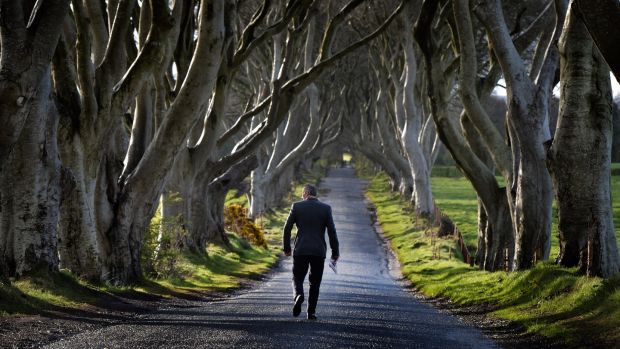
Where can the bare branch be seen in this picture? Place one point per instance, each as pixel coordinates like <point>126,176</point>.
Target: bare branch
<point>246,46</point>
<point>248,33</point>
<point>149,58</point>
<point>546,78</point>
<point>112,60</point>
<point>328,37</point>
<point>468,91</point>
<point>491,15</point>
<point>299,82</point>
<point>602,18</point>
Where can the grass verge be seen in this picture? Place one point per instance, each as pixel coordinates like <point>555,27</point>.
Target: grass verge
<point>556,302</point>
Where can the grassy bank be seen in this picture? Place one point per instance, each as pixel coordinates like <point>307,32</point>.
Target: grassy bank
<point>187,275</point>
<point>222,269</point>
<point>553,301</point>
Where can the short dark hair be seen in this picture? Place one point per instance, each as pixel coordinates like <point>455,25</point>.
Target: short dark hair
<point>310,189</point>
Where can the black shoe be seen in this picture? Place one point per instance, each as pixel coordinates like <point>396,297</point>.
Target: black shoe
<point>299,299</point>
<point>311,316</point>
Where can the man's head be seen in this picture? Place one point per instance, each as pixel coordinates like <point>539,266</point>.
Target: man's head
<point>308,191</point>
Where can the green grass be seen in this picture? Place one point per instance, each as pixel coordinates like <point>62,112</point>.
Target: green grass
<point>457,199</point>
<point>553,301</point>
<point>232,197</point>
<point>222,269</point>
<point>39,292</point>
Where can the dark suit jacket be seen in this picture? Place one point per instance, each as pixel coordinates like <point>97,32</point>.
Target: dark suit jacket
<point>311,217</point>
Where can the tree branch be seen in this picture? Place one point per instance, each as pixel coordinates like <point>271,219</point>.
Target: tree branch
<point>303,79</point>
<point>602,18</point>
<point>63,75</point>
<point>491,15</point>
<point>108,70</point>
<point>246,46</point>
<point>468,90</point>
<point>98,26</point>
<point>44,28</point>
<point>149,58</point>
<point>328,37</point>
<point>546,78</point>
<point>85,67</point>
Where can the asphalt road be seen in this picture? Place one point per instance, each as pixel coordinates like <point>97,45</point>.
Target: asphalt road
<point>362,306</point>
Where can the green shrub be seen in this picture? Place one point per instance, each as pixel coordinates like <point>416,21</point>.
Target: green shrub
<point>161,253</point>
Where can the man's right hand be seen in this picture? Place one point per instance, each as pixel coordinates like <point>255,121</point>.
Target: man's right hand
<point>287,253</point>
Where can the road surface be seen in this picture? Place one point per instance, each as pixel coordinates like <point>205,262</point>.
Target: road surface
<point>362,306</point>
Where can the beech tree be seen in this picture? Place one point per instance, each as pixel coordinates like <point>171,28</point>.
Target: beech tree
<point>463,141</point>
<point>579,156</point>
<point>29,165</point>
<point>362,129</point>
<point>414,129</point>
<point>440,72</point>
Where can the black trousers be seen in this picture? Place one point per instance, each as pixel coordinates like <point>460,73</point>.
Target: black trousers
<point>300,269</point>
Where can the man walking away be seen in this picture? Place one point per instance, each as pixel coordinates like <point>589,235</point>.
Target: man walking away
<point>311,217</point>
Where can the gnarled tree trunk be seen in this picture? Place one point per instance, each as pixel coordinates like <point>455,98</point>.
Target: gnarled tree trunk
<point>30,191</point>
<point>579,157</point>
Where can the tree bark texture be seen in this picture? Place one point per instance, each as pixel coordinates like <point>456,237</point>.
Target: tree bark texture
<point>580,155</point>
<point>30,191</point>
<point>530,195</point>
<point>78,243</point>
<point>412,137</point>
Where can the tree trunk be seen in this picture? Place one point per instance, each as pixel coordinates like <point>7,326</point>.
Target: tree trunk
<point>483,225</point>
<point>30,192</point>
<point>499,239</point>
<point>422,195</point>
<point>390,150</point>
<point>482,178</point>
<point>257,191</point>
<point>268,190</point>
<point>207,221</point>
<point>215,223</point>
<point>138,196</point>
<point>172,226</point>
<point>78,245</point>
<point>532,194</point>
<point>579,157</point>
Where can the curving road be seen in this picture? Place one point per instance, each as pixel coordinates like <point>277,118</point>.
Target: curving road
<point>362,306</point>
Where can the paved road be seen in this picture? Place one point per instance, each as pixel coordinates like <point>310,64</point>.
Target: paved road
<point>362,306</point>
